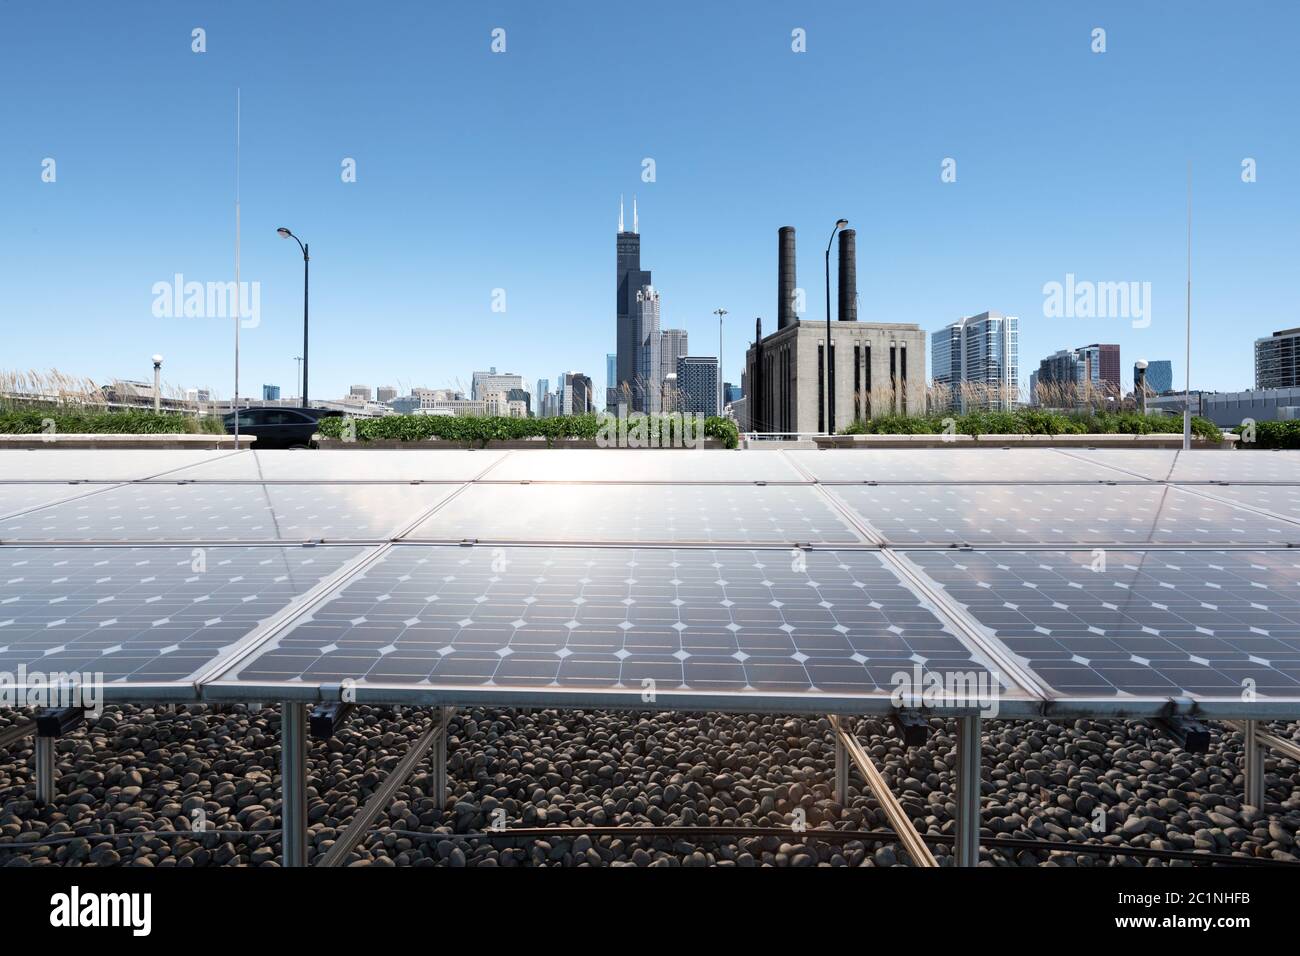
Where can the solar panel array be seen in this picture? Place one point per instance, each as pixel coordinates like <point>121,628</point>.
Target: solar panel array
<point>1080,581</point>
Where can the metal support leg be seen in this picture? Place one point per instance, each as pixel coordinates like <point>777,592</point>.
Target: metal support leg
<point>1255,752</point>
<point>842,762</point>
<point>45,770</point>
<point>967,847</point>
<point>439,758</point>
<point>293,783</point>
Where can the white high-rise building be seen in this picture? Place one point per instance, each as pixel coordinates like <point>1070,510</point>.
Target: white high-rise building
<point>983,352</point>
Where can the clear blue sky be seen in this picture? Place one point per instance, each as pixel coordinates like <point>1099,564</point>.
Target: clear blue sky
<point>479,171</point>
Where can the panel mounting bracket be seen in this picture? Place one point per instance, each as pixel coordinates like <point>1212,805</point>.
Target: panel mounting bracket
<point>1192,735</point>
<point>57,721</point>
<point>913,729</point>
<point>327,718</point>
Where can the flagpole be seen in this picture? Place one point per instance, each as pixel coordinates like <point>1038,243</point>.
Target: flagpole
<point>1187,382</point>
<point>238,288</point>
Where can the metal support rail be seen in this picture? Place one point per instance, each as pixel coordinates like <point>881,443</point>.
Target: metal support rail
<point>17,732</point>
<point>364,818</point>
<point>898,818</point>
<point>293,783</point>
<point>1256,746</point>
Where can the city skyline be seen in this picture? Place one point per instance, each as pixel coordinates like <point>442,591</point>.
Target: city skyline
<point>418,245</point>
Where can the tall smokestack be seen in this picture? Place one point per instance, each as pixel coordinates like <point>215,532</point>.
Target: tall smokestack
<point>848,276</point>
<point>785,278</point>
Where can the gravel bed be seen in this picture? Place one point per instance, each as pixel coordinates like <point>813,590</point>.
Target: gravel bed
<point>136,773</point>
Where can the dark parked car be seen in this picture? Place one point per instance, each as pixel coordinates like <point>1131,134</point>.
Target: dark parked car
<point>279,427</point>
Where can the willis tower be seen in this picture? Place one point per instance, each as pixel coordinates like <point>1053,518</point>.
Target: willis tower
<point>631,279</point>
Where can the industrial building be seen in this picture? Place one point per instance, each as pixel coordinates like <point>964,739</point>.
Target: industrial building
<point>872,368</point>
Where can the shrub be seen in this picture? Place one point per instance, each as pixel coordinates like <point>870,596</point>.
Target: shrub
<point>479,430</point>
<point>1283,434</point>
<point>1036,421</point>
<point>32,421</point>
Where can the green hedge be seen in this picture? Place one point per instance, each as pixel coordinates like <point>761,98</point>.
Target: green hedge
<point>1284,434</point>
<point>479,430</point>
<point>126,422</point>
<point>1033,421</point>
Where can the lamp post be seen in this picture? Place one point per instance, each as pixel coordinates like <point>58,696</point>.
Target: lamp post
<point>1140,368</point>
<point>297,378</point>
<point>157,383</point>
<point>306,259</point>
<point>720,313</point>
<point>830,361</point>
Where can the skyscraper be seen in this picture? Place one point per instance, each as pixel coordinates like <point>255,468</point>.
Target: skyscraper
<point>1078,375</point>
<point>1160,376</point>
<point>648,386</point>
<point>1277,360</point>
<point>697,385</point>
<point>978,358</point>
<point>270,393</point>
<point>672,346</point>
<point>630,279</point>
<point>611,379</point>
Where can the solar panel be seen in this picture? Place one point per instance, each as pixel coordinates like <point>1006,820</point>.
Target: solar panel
<point>144,614</point>
<point>1281,500</point>
<point>590,572</point>
<point>1154,464</point>
<point>15,499</point>
<point>216,512</point>
<point>695,622</point>
<point>104,464</point>
<point>645,465</point>
<point>1163,624</point>
<point>634,514</point>
<point>1243,464</point>
<point>343,465</point>
<point>1057,514</point>
<point>910,466</point>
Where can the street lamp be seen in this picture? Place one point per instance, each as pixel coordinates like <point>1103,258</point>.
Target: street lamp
<point>1140,367</point>
<point>286,234</point>
<point>157,383</point>
<point>720,313</point>
<point>830,361</point>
